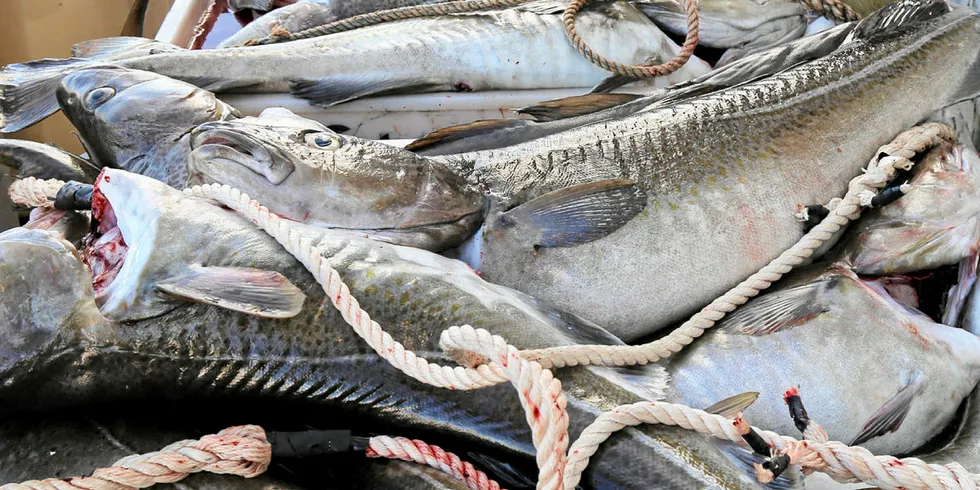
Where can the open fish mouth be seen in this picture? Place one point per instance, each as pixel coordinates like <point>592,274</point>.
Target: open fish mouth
<point>123,217</point>
<point>212,142</point>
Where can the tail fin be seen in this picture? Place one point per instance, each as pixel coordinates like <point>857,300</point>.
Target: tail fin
<point>27,90</point>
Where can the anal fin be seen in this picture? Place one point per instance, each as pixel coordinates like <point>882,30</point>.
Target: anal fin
<point>255,292</point>
<point>326,92</point>
<point>579,214</point>
<point>890,416</point>
<point>575,106</point>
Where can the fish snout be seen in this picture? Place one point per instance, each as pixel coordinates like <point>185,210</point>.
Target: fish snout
<point>224,154</point>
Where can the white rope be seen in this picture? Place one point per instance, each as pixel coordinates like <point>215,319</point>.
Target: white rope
<point>540,393</point>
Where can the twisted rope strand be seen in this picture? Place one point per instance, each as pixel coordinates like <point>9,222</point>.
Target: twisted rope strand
<point>434,456</point>
<point>34,193</point>
<point>241,450</point>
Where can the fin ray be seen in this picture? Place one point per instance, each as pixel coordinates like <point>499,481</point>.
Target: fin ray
<point>890,416</point>
<point>264,294</point>
<point>581,213</point>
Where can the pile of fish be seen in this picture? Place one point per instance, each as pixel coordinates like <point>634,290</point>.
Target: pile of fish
<point>133,315</point>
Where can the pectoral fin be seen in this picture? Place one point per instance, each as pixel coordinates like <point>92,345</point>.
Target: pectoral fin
<point>326,92</point>
<point>255,292</point>
<point>890,416</point>
<point>581,213</point>
<point>731,406</point>
<point>575,106</point>
<point>781,310</point>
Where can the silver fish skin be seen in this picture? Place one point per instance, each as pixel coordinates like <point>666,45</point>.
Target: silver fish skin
<point>313,359</point>
<point>965,446</point>
<point>32,159</point>
<point>303,171</point>
<point>867,365</point>
<point>723,174</point>
<point>742,26</point>
<point>764,63</point>
<point>138,120</point>
<point>291,18</point>
<point>520,49</point>
<point>936,223</point>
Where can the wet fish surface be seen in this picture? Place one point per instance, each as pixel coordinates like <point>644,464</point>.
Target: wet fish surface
<point>31,159</point>
<point>160,322</point>
<point>137,120</point>
<point>741,26</point>
<point>309,174</point>
<point>722,174</point>
<point>520,49</point>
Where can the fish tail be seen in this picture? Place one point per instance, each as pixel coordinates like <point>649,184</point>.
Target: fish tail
<point>28,90</point>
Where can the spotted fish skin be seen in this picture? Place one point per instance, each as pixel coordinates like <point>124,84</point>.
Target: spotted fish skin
<point>723,174</point>
<point>315,365</point>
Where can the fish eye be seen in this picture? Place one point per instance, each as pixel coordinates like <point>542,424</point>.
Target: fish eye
<point>323,140</point>
<point>99,96</point>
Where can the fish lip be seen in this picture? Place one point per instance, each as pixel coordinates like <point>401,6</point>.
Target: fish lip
<point>229,143</point>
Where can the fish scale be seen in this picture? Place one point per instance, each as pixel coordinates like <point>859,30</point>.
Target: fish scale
<point>740,159</point>
<point>315,364</point>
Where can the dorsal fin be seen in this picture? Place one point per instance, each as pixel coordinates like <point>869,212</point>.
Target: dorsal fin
<point>575,105</point>
<point>894,17</point>
<point>455,133</point>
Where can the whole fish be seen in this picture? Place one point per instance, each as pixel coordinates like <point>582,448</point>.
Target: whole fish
<point>740,26</point>
<point>31,159</point>
<point>154,250</point>
<point>936,222</point>
<point>311,175</point>
<point>137,120</point>
<point>519,48</point>
<point>721,174</point>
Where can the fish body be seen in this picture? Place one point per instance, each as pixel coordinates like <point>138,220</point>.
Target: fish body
<point>75,354</point>
<point>741,26</point>
<point>291,18</point>
<point>309,174</point>
<point>935,223</point>
<point>138,120</point>
<point>722,173</point>
<point>519,49</point>
<point>965,446</point>
<point>875,372</point>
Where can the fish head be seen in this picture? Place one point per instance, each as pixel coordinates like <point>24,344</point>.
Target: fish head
<point>935,223</point>
<point>123,114</point>
<point>153,249</point>
<point>47,297</point>
<point>305,172</point>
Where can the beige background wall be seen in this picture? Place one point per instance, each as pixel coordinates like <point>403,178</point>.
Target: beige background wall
<point>34,29</point>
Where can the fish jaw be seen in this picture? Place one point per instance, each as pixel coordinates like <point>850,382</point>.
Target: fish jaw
<point>307,173</point>
<point>126,212</point>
